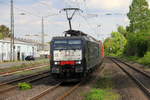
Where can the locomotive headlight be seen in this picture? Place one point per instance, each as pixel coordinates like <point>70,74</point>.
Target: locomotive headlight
<point>78,62</point>
<point>56,63</point>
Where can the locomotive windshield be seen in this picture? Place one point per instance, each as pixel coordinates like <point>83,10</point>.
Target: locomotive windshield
<point>67,44</point>
<point>74,41</point>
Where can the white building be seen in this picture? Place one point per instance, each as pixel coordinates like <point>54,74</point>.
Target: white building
<point>22,49</point>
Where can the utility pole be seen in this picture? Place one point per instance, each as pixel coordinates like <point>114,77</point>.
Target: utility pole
<point>42,35</point>
<point>12,31</point>
<point>42,27</point>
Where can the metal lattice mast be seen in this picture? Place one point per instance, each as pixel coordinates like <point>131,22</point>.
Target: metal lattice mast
<point>12,51</point>
<point>42,35</point>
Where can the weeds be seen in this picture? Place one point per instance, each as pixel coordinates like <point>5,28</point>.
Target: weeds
<point>100,94</point>
<point>24,86</point>
<point>102,90</point>
<point>146,59</point>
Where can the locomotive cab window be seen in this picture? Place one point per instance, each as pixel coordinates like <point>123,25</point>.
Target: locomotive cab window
<point>67,44</point>
<point>74,42</point>
<point>60,42</point>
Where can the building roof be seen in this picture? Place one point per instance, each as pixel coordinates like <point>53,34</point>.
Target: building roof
<point>21,41</point>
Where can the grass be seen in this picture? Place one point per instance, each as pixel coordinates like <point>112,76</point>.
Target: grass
<point>103,90</point>
<point>24,65</point>
<point>131,58</point>
<point>104,82</point>
<point>144,60</point>
<point>100,94</point>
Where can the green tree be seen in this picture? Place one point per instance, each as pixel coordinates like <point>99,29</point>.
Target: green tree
<point>139,16</point>
<point>1,36</point>
<point>4,31</point>
<point>138,44</point>
<point>114,45</point>
<point>122,30</point>
<point>139,29</point>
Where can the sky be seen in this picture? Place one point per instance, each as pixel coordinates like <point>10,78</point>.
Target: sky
<point>98,19</point>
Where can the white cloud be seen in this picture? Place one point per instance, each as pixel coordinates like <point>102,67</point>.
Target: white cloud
<point>109,4</point>
<point>149,3</point>
<point>31,24</point>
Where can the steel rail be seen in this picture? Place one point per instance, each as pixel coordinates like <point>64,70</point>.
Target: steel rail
<point>29,81</point>
<point>69,92</point>
<point>140,84</point>
<point>22,78</point>
<point>138,70</point>
<point>43,93</point>
<point>21,70</point>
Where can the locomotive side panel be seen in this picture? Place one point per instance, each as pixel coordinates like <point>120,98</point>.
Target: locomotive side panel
<point>93,55</point>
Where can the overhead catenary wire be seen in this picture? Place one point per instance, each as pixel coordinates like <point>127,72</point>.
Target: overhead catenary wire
<point>88,24</point>
<point>26,11</point>
<point>47,5</point>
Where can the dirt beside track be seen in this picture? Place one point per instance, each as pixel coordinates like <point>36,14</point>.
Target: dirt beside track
<point>85,87</point>
<point>18,94</point>
<point>123,84</point>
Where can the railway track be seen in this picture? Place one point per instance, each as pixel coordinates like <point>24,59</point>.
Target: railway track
<point>10,85</point>
<point>57,87</point>
<point>51,89</point>
<point>141,78</point>
<point>69,92</point>
<point>21,70</point>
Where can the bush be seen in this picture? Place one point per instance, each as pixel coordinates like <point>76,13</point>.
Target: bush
<point>146,59</point>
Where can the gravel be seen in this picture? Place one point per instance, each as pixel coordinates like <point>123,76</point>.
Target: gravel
<point>18,94</point>
<point>123,85</point>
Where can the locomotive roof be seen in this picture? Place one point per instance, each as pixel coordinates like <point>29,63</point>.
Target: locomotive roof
<point>75,34</point>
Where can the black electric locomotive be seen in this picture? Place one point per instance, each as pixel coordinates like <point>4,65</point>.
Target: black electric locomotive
<point>74,55</point>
